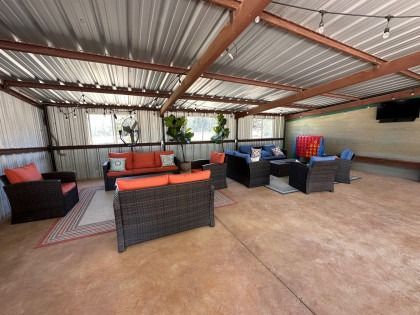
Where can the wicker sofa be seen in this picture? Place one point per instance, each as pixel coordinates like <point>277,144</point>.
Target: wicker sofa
<point>250,174</point>
<point>149,213</point>
<point>51,197</point>
<point>137,163</point>
<point>318,176</point>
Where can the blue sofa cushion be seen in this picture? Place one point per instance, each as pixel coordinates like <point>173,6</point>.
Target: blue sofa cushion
<point>272,157</point>
<point>230,152</point>
<point>245,156</point>
<point>269,148</point>
<point>265,153</point>
<point>245,149</point>
<point>315,159</point>
<point>347,154</point>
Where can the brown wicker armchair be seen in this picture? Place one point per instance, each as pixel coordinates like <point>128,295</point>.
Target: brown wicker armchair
<point>149,213</point>
<point>218,172</point>
<point>318,177</point>
<point>45,199</point>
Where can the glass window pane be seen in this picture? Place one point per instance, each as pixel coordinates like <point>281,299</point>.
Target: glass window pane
<point>202,127</point>
<point>101,129</point>
<point>267,128</point>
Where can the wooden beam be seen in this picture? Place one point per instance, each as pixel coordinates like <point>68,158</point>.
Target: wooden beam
<point>366,101</point>
<point>373,73</point>
<point>89,57</point>
<point>241,19</point>
<point>18,95</point>
<point>299,30</point>
<point>10,151</point>
<point>123,91</point>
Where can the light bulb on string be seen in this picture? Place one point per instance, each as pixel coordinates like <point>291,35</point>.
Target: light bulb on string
<point>321,26</point>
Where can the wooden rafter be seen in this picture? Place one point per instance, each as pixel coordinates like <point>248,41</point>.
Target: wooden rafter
<point>366,101</point>
<point>241,19</point>
<point>299,30</point>
<point>386,68</point>
<point>18,95</point>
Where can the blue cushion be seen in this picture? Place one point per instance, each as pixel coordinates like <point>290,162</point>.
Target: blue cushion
<point>272,157</point>
<point>315,159</point>
<point>265,154</point>
<point>245,156</point>
<point>269,148</point>
<point>230,152</point>
<point>347,154</point>
<point>245,149</point>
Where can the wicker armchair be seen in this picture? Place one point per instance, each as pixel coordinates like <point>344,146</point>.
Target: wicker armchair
<point>149,213</point>
<point>319,177</point>
<point>343,170</point>
<point>43,199</point>
<point>218,172</point>
<point>250,174</point>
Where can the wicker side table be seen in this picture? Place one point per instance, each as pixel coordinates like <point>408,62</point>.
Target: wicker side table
<point>280,168</point>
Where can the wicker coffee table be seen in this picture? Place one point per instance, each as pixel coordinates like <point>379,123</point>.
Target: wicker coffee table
<point>280,168</point>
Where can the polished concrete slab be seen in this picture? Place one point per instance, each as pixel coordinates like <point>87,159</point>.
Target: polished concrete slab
<point>354,251</point>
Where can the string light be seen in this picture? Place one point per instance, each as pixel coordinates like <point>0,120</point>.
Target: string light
<point>257,19</point>
<point>321,26</point>
<point>386,33</point>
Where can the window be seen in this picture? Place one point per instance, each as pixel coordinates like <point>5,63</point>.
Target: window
<point>262,128</point>
<point>202,127</point>
<point>101,129</point>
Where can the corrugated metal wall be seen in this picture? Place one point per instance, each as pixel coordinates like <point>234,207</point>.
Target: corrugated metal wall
<point>21,125</point>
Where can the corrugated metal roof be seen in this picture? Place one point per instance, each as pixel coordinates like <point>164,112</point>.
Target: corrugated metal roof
<point>161,31</point>
<point>176,32</point>
<point>380,85</point>
<point>269,54</point>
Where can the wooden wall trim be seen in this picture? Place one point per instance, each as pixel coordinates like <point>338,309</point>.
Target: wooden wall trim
<point>10,151</point>
<point>388,162</point>
<point>101,146</point>
<point>261,139</point>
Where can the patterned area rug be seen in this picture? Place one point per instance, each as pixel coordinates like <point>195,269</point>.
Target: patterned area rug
<point>94,214</point>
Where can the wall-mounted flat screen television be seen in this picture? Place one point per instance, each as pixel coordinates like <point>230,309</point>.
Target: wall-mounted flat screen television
<point>398,110</point>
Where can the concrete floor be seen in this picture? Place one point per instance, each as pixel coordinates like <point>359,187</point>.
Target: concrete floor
<point>354,251</point>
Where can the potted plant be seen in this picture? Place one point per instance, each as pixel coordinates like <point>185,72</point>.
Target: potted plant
<point>221,132</point>
<point>178,132</point>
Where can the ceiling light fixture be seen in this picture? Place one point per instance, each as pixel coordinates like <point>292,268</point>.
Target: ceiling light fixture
<point>129,89</point>
<point>257,19</point>
<point>97,85</point>
<point>114,87</point>
<point>321,26</point>
<point>79,84</point>
<point>387,29</point>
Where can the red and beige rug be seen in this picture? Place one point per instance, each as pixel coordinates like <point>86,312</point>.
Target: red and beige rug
<point>93,215</point>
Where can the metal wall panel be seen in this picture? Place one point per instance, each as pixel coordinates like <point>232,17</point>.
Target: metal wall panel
<point>21,125</point>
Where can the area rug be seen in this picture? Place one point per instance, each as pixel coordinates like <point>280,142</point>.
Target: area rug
<point>281,184</point>
<point>94,214</point>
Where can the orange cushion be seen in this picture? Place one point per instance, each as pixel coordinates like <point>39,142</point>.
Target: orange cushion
<point>196,170</point>
<point>122,173</point>
<point>66,187</point>
<point>143,159</point>
<point>27,173</point>
<point>217,157</point>
<point>153,169</point>
<point>158,161</point>
<point>128,158</point>
<point>191,177</point>
<point>139,183</point>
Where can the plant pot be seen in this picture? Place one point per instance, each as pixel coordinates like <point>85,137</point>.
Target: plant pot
<point>185,167</point>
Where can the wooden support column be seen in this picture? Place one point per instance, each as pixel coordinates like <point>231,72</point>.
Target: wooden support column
<point>163,143</point>
<point>49,138</point>
<point>236,132</point>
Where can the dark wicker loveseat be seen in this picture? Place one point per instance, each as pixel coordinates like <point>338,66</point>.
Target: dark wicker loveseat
<point>149,213</point>
<point>218,172</point>
<point>44,199</point>
<point>250,174</point>
<point>312,178</point>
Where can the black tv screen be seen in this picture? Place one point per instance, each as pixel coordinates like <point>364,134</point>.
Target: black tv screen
<point>398,110</point>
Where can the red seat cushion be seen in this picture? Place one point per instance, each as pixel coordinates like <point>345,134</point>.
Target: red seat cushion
<point>128,158</point>
<point>139,183</point>
<point>66,187</point>
<point>158,161</point>
<point>196,170</point>
<point>154,169</point>
<point>122,173</point>
<point>27,173</point>
<point>217,157</point>
<point>191,177</point>
<point>143,159</point>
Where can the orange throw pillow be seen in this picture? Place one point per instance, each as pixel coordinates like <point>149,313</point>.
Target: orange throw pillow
<point>27,173</point>
<point>217,157</point>
<point>128,158</point>
<point>143,159</point>
<point>158,161</point>
<point>139,183</point>
<point>186,178</point>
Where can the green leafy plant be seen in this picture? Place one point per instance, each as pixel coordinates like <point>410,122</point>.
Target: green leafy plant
<point>221,132</point>
<point>177,130</point>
